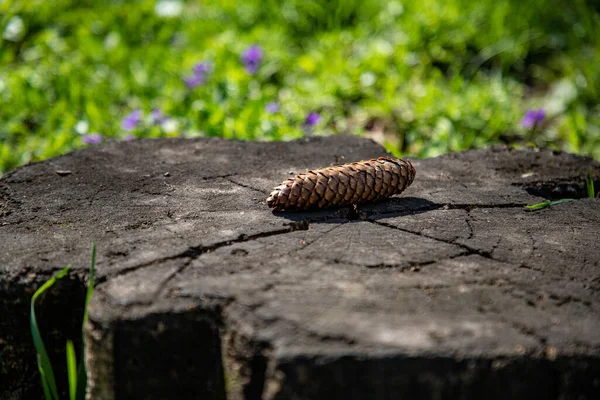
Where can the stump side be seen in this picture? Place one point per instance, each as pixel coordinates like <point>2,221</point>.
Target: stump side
<point>449,291</point>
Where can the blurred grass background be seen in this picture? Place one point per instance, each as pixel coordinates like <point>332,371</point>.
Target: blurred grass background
<point>423,77</point>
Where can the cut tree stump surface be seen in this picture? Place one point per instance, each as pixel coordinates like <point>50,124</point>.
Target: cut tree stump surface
<point>451,290</point>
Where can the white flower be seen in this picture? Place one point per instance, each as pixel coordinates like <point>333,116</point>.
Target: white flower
<point>15,29</point>
<point>168,8</point>
<point>82,127</point>
<point>170,125</point>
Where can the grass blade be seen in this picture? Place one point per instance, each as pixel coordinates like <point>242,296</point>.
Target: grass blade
<point>71,369</point>
<point>545,204</point>
<point>81,379</point>
<point>81,372</point>
<point>47,394</point>
<point>90,288</point>
<point>552,203</point>
<point>44,365</point>
<point>538,206</point>
<point>590,186</point>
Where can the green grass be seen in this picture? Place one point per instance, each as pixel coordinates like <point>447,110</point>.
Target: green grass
<point>422,76</point>
<point>545,204</point>
<point>75,371</point>
<point>589,183</point>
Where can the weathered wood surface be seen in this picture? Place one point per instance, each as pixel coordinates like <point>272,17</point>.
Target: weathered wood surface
<point>451,290</point>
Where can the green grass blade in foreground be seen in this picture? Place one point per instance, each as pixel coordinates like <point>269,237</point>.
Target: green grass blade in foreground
<point>590,186</point>
<point>47,394</point>
<point>44,365</point>
<point>544,204</point>
<point>71,369</point>
<point>81,372</point>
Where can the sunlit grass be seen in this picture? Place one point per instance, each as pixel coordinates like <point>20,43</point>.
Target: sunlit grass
<point>423,77</point>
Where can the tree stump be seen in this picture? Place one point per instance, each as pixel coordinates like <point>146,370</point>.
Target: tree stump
<point>451,290</point>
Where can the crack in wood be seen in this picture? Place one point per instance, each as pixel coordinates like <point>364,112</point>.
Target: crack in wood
<point>244,185</point>
<point>194,252</point>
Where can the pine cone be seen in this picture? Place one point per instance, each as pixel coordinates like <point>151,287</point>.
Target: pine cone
<point>354,183</point>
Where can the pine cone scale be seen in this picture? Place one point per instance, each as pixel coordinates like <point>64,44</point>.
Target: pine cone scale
<point>321,185</point>
<point>378,178</point>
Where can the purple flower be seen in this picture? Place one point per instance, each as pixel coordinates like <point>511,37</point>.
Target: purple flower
<point>251,58</point>
<point>202,68</point>
<point>198,77</point>
<point>194,81</point>
<point>312,119</point>
<point>157,117</point>
<point>533,118</point>
<point>92,138</point>
<point>129,138</point>
<point>272,107</point>
<point>132,120</point>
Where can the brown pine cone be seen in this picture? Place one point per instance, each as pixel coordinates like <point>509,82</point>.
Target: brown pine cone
<point>354,183</point>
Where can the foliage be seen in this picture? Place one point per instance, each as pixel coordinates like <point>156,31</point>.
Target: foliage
<point>589,184</point>
<point>76,373</point>
<point>544,204</point>
<point>423,76</point>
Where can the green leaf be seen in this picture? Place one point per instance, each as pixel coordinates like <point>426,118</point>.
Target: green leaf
<point>44,365</point>
<point>71,369</point>
<point>545,204</point>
